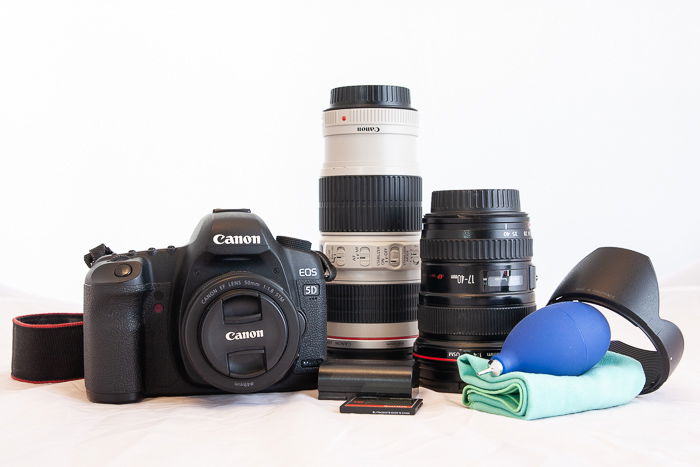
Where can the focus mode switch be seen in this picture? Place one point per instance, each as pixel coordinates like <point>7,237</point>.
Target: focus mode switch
<point>363,256</point>
<point>122,270</point>
<point>246,363</point>
<point>395,256</point>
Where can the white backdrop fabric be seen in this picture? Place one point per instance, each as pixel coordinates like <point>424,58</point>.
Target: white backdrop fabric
<point>55,424</point>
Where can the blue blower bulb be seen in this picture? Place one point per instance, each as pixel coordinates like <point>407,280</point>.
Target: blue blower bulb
<point>563,339</point>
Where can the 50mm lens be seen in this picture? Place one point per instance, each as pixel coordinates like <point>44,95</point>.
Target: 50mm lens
<point>477,279</point>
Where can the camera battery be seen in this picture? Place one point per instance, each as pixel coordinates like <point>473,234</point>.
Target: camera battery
<point>345,378</point>
<point>381,406</point>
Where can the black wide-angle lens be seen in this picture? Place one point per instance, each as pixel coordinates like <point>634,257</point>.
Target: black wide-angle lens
<point>477,280</point>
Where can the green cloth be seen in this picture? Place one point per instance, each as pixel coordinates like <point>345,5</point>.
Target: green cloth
<point>615,380</point>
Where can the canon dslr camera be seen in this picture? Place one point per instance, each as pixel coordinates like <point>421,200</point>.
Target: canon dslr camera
<point>234,311</point>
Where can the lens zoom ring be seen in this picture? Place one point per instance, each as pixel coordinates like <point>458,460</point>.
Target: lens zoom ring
<point>471,321</point>
<point>380,303</point>
<point>475,249</point>
<point>370,203</point>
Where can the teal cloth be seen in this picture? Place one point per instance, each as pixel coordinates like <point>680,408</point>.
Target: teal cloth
<point>615,380</point>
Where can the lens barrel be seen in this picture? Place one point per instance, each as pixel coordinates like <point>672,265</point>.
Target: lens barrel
<point>477,280</point>
<point>370,219</point>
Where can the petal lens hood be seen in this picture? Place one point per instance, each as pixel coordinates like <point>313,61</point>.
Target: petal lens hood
<point>624,281</point>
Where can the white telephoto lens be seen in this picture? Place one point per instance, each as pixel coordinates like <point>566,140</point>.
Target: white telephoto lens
<point>370,219</point>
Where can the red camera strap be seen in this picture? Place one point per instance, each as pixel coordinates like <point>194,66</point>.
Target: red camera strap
<point>47,348</point>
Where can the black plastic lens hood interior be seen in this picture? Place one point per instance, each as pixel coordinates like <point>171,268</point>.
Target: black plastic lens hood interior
<point>624,281</point>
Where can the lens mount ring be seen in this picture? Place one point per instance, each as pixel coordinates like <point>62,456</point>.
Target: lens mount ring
<point>436,360</point>
<point>202,304</point>
<point>369,336</point>
<point>484,321</point>
<point>346,344</point>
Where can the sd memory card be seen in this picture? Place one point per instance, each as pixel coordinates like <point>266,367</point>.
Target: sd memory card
<point>381,406</point>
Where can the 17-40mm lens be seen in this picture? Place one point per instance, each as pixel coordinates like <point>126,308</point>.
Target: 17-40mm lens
<point>477,280</point>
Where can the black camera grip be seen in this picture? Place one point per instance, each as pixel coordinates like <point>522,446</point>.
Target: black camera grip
<point>113,341</point>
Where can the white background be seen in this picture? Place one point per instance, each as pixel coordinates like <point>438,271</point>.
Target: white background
<point>125,122</point>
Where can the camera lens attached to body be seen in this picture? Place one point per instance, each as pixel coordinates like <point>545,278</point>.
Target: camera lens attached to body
<point>477,280</point>
<point>241,333</point>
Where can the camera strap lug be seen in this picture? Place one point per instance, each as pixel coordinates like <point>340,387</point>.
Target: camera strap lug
<point>329,271</point>
<point>96,253</point>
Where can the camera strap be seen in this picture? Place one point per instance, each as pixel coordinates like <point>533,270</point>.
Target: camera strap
<point>47,348</point>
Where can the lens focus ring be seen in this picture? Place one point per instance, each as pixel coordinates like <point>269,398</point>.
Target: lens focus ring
<point>370,203</point>
<point>476,249</point>
<point>375,303</point>
<point>474,321</point>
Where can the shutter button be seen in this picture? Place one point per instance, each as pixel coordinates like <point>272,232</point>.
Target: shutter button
<point>122,270</point>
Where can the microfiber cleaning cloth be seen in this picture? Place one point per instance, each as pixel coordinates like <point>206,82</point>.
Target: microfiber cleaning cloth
<point>615,380</point>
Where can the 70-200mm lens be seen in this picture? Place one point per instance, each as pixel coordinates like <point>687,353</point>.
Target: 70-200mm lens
<point>370,211</point>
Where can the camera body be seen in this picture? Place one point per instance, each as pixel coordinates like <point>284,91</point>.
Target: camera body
<point>235,311</point>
